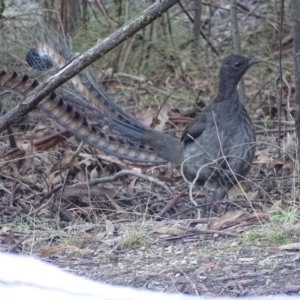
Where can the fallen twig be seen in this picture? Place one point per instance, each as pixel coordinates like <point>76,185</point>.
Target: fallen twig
<point>126,173</point>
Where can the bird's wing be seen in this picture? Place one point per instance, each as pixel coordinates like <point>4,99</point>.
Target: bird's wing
<point>195,128</point>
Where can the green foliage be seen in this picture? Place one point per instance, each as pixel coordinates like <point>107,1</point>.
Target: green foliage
<point>281,229</point>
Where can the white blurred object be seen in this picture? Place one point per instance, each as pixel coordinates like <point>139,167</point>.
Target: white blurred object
<point>28,278</point>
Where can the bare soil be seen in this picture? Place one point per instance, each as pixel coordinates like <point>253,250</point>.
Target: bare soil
<point>192,264</point>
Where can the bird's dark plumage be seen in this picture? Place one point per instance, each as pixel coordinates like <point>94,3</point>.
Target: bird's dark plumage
<point>38,60</point>
<point>219,144</point>
<point>217,147</point>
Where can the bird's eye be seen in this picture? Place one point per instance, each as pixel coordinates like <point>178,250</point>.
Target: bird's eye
<point>237,64</point>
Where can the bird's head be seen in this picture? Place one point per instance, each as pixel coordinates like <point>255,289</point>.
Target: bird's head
<point>235,66</point>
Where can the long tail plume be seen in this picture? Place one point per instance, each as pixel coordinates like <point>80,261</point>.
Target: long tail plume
<point>72,120</point>
<point>89,112</point>
<point>41,58</point>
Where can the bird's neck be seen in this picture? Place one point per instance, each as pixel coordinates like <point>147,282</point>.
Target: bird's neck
<point>227,90</point>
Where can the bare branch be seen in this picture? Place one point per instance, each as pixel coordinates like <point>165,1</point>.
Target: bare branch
<point>296,25</point>
<point>82,61</point>
<point>236,43</point>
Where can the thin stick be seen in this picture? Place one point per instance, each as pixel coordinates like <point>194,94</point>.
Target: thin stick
<point>126,173</point>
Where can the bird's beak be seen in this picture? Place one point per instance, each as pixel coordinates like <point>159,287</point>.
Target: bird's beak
<point>253,62</point>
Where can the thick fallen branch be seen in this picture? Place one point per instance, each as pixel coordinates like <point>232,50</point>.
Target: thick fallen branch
<point>84,60</point>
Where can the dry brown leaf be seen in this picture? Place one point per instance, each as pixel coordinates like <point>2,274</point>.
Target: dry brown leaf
<point>208,266</point>
<point>9,239</point>
<point>109,228</point>
<point>52,169</point>
<point>200,286</point>
<point>94,174</point>
<point>146,116</point>
<point>227,217</point>
<point>92,238</point>
<point>82,211</point>
<point>170,230</point>
<point>87,161</point>
<point>80,176</point>
<point>56,177</point>
<point>251,89</point>
<point>241,189</point>
<point>119,208</point>
<point>56,250</point>
<point>5,229</point>
<point>30,180</point>
<point>294,246</point>
<point>131,189</point>
<point>162,117</point>
<point>28,162</point>
<point>287,39</point>
<point>25,145</point>
<point>252,196</point>
<point>263,158</point>
<point>113,256</point>
<point>87,251</point>
<point>68,155</point>
<point>289,144</point>
<point>43,211</point>
<point>289,167</point>
<point>277,205</point>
